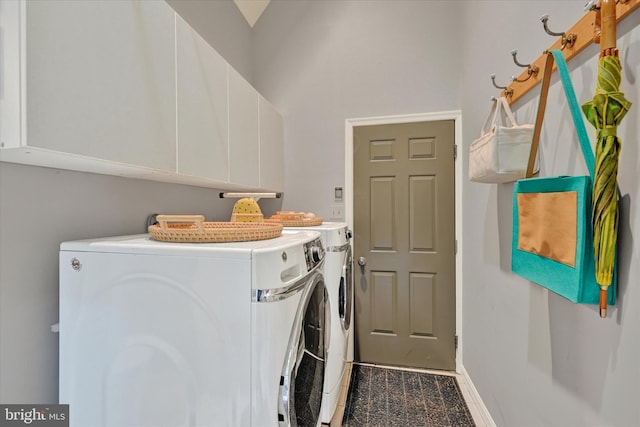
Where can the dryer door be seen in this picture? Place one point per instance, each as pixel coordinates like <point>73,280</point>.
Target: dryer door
<point>302,380</point>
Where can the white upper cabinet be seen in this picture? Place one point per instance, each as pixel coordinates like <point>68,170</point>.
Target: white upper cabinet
<point>244,150</point>
<point>100,80</point>
<point>271,147</point>
<point>128,88</point>
<point>203,119</point>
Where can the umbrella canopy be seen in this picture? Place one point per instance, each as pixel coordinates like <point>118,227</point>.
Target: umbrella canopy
<point>605,111</point>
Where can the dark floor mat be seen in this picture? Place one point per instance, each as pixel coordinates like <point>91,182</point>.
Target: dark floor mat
<point>392,397</point>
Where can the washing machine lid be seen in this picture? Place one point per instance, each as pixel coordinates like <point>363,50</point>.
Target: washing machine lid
<point>144,244</point>
<point>333,234</point>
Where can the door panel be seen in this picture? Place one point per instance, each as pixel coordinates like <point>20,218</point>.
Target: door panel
<point>382,213</point>
<point>383,302</point>
<point>404,228</point>
<point>421,213</point>
<point>422,295</point>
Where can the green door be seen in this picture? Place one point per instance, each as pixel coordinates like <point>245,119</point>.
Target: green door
<point>404,241</point>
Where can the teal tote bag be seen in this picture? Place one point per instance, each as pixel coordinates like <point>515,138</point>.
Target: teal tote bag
<point>552,240</point>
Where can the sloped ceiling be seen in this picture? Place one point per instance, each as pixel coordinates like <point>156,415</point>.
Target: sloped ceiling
<point>251,9</point>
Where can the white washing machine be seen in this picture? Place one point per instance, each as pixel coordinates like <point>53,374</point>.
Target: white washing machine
<point>182,334</point>
<point>339,282</point>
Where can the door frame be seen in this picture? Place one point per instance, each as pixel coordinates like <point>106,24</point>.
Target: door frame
<point>456,116</point>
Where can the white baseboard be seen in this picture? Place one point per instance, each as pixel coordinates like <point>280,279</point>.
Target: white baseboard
<point>480,413</point>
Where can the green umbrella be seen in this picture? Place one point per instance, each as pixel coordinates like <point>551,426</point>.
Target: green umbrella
<point>605,111</point>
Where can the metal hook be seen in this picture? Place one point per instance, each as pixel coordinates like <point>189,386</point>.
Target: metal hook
<point>544,18</point>
<point>595,4</point>
<point>515,79</point>
<point>531,70</point>
<point>507,91</point>
<point>567,39</point>
<point>592,5</point>
<point>493,80</point>
<point>514,53</point>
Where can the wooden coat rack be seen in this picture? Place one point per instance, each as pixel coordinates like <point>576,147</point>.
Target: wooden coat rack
<point>583,33</point>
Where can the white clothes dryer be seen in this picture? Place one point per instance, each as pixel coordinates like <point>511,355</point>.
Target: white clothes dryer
<point>338,276</point>
<point>230,334</point>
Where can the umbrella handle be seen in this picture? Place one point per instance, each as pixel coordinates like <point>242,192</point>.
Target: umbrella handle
<point>608,25</point>
<point>603,301</point>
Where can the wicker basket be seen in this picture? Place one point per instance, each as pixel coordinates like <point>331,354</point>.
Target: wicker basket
<point>305,222</point>
<point>193,229</point>
<point>290,216</point>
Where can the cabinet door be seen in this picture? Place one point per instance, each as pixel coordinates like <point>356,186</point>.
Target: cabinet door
<point>10,81</point>
<point>203,129</point>
<point>101,80</point>
<point>244,156</point>
<point>271,147</point>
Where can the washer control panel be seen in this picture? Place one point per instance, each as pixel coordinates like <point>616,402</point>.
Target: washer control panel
<point>313,253</point>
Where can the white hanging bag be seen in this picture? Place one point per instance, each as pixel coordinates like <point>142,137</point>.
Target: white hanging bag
<point>501,153</point>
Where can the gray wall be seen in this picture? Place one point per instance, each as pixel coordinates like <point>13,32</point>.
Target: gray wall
<point>536,358</point>
<point>321,62</point>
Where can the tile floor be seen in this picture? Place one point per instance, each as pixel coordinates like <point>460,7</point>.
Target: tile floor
<point>384,396</point>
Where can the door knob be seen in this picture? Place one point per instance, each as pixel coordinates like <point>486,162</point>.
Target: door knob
<point>362,261</point>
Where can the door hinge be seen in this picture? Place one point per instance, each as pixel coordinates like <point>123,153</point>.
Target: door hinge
<point>455,151</point>
<point>455,340</point>
<point>455,247</point>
